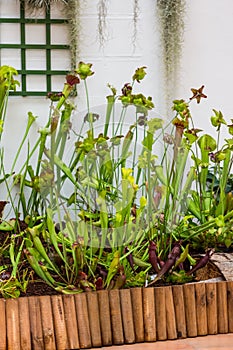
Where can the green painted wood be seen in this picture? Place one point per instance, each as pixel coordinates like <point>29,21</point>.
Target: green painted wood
<point>48,73</point>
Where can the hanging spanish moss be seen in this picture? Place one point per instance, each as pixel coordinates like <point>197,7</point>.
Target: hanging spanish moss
<point>135,22</point>
<point>40,4</point>
<point>72,12</point>
<point>102,23</point>
<point>171,16</point>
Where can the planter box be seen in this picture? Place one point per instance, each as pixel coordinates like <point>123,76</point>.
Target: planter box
<point>116,317</point>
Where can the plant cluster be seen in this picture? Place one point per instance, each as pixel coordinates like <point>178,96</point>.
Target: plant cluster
<point>118,203</point>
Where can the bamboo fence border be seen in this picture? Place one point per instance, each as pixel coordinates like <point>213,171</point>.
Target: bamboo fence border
<point>127,316</point>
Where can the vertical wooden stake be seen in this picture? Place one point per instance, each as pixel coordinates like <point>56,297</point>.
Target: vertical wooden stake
<point>116,319</point>
<point>222,307</point>
<point>105,318</point>
<point>35,323</point>
<point>47,323</point>
<point>201,308</point>
<point>179,307</point>
<point>12,320</point>
<point>230,305</point>
<point>3,324</point>
<point>170,314</point>
<point>148,299</point>
<point>127,316</point>
<point>83,321</point>
<point>211,308</point>
<point>71,321</point>
<point>190,309</point>
<point>137,307</point>
<point>24,324</point>
<point>94,319</point>
<point>59,322</point>
<point>160,313</point>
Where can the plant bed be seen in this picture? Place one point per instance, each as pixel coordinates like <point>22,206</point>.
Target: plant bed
<point>104,244</point>
<point>116,317</point>
<point>42,318</point>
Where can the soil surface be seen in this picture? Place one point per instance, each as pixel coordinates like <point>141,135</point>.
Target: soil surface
<point>36,287</point>
<point>210,271</point>
<point>39,288</point>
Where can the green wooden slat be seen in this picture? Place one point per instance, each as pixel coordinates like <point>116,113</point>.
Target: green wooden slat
<point>48,52</point>
<point>33,21</point>
<point>28,93</point>
<point>23,51</point>
<point>35,46</point>
<point>42,72</point>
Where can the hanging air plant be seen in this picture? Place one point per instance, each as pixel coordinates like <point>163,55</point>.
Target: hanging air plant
<point>135,22</point>
<point>102,24</point>
<point>171,16</point>
<point>39,4</point>
<point>72,11</point>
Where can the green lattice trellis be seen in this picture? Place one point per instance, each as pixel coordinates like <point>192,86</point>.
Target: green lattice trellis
<point>48,73</point>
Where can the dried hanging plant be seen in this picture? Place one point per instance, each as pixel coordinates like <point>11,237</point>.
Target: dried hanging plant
<point>135,22</point>
<point>171,18</point>
<point>72,12</point>
<point>39,4</point>
<point>102,24</point>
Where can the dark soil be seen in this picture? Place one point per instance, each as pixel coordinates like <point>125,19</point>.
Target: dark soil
<point>208,272</point>
<point>40,288</point>
<point>36,287</point>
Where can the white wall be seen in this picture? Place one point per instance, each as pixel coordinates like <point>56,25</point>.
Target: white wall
<point>207,58</point>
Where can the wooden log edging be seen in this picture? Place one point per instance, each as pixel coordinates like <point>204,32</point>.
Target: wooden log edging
<point>116,317</point>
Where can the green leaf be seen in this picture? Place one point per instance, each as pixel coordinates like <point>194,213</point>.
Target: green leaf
<point>228,242</point>
<point>220,221</point>
<point>207,143</point>
<point>183,256</point>
<point>113,268</point>
<point>154,125</point>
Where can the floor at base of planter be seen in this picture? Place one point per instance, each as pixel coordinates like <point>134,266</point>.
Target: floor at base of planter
<point>213,342</point>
